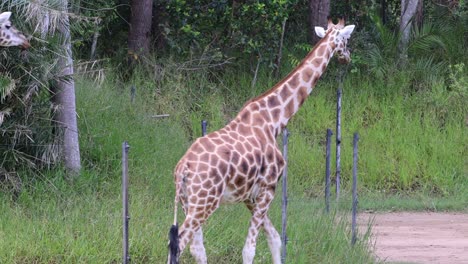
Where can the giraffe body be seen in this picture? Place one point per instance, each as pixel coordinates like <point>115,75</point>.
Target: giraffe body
<point>242,162</point>
<point>9,35</point>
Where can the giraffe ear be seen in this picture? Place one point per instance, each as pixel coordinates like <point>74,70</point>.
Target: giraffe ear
<point>320,31</point>
<point>346,31</point>
<point>5,16</point>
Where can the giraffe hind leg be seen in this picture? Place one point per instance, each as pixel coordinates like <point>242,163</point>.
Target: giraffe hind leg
<point>191,232</point>
<point>187,231</point>
<point>196,247</point>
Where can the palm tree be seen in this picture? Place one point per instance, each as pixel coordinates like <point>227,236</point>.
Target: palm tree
<point>37,91</point>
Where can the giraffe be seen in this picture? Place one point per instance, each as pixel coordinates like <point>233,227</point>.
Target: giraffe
<point>9,35</point>
<point>241,162</point>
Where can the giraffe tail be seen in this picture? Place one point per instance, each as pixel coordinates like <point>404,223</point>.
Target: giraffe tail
<point>173,257</point>
<point>174,244</point>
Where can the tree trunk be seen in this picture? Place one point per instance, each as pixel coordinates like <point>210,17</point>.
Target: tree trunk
<point>94,44</point>
<point>279,56</point>
<point>159,19</point>
<point>64,97</point>
<point>383,11</point>
<point>139,35</point>
<point>419,16</point>
<point>408,10</point>
<point>318,14</point>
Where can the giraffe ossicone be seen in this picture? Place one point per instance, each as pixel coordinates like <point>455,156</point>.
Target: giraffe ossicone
<point>241,162</point>
<point>9,35</point>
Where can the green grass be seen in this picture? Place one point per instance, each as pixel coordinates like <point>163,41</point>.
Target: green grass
<point>382,201</point>
<point>84,227</point>
<point>410,158</point>
<point>402,147</point>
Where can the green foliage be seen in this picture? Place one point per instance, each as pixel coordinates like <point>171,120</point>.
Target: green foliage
<point>429,38</point>
<point>25,113</point>
<point>301,49</point>
<point>446,100</point>
<point>431,50</point>
<point>249,28</point>
<point>379,49</point>
<point>99,16</point>
<point>355,12</point>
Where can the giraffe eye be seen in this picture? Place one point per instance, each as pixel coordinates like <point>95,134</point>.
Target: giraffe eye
<point>7,26</point>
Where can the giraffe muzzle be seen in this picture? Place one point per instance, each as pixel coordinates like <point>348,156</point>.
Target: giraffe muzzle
<point>25,45</point>
<point>344,60</point>
<point>344,57</point>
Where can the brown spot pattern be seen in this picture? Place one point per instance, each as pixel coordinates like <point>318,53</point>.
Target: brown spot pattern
<point>294,80</point>
<point>307,74</point>
<point>273,101</point>
<point>285,92</point>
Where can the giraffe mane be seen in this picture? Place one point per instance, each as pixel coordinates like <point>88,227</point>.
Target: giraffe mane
<point>270,91</point>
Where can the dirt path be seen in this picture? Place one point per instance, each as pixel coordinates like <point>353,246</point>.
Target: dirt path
<point>418,237</point>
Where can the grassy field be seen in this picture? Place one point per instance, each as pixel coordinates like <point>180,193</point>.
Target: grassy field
<point>84,227</point>
<point>411,157</point>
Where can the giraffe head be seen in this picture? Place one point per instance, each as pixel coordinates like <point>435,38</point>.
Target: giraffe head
<point>339,35</point>
<point>9,36</point>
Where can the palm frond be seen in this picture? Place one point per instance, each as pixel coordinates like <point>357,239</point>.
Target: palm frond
<point>91,69</point>
<point>385,38</point>
<point>7,86</point>
<point>3,114</point>
<point>426,71</point>
<point>428,40</point>
<point>376,62</point>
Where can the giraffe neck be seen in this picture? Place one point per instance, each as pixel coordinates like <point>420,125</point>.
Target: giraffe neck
<point>275,107</point>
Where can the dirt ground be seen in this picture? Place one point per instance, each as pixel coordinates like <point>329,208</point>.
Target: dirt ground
<point>418,237</point>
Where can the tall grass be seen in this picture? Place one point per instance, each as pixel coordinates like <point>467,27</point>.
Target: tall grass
<point>405,145</point>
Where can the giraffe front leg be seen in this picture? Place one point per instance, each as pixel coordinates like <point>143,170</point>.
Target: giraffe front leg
<point>273,237</point>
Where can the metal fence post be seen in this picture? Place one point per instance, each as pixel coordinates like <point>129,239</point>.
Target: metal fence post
<point>355,198</point>
<point>132,94</point>
<point>327,171</point>
<point>284,237</point>
<point>203,127</point>
<point>338,143</point>
<point>125,216</point>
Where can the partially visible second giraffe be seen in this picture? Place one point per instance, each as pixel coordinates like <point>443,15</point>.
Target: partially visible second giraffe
<point>242,162</point>
<point>9,35</point>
